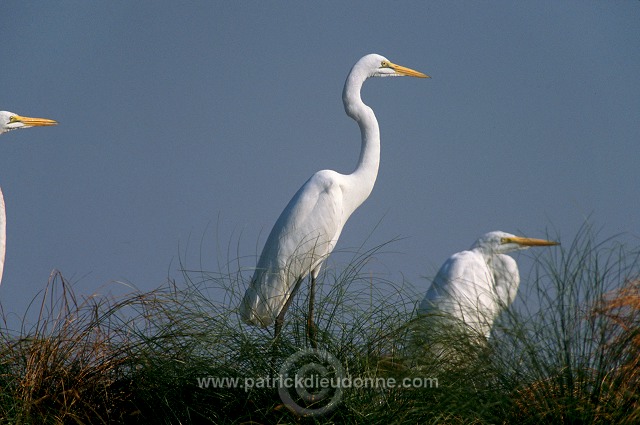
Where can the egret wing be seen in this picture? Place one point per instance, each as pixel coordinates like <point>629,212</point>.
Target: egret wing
<point>303,236</point>
<point>462,289</point>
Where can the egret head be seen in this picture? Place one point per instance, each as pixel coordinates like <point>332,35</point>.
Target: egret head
<point>379,66</point>
<point>11,121</point>
<point>501,242</point>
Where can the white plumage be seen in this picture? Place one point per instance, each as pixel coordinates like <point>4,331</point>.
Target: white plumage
<point>474,286</point>
<point>11,121</point>
<point>309,227</point>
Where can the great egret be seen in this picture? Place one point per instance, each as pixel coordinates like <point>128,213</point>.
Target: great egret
<point>307,230</point>
<point>474,286</point>
<point>10,121</point>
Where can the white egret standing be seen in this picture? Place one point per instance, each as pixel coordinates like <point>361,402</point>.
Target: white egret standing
<point>307,230</point>
<point>474,286</point>
<point>10,121</point>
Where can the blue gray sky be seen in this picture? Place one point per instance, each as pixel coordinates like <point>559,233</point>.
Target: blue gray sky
<point>185,128</point>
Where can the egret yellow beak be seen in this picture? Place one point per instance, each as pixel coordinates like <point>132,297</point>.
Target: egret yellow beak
<point>529,241</point>
<point>407,71</point>
<point>33,122</point>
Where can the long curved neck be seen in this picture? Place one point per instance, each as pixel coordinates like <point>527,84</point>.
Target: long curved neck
<point>364,176</point>
<point>3,234</point>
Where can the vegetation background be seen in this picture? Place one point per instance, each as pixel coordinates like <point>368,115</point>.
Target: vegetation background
<point>140,358</point>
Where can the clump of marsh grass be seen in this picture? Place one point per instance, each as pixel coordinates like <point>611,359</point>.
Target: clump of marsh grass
<point>620,310</point>
<point>557,350</point>
<point>180,354</point>
<point>557,358</point>
<point>357,315</point>
<point>61,369</point>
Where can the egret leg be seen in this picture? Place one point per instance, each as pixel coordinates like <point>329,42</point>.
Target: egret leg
<point>278,326</point>
<point>285,307</point>
<point>280,323</point>
<point>276,334</point>
<point>311,327</point>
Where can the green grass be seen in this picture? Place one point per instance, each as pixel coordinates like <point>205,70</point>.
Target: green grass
<point>567,355</point>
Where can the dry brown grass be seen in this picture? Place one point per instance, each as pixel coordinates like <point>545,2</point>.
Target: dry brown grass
<point>622,311</point>
<point>605,396</point>
<point>65,369</point>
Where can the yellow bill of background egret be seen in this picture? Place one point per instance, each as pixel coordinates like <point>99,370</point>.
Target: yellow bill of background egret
<point>309,227</point>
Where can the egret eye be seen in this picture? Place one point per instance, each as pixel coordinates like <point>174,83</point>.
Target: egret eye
<point>384,64</point>
<point>13,118</point>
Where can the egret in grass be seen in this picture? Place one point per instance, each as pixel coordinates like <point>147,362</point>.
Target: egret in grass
<point>474,286</point>
<point>11,121</point>
<point>309,227</point>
